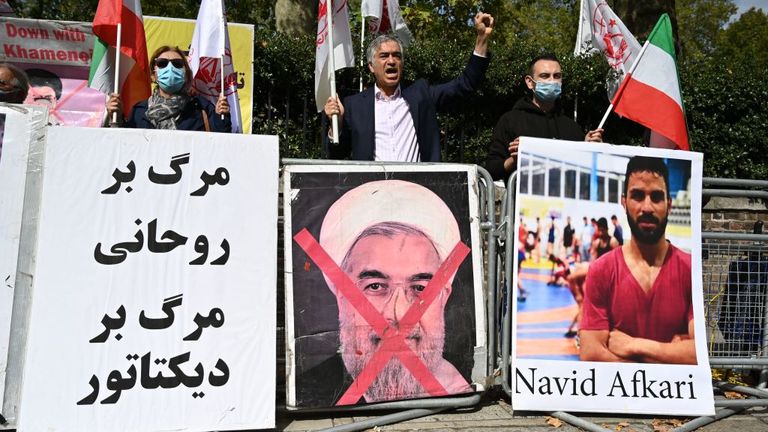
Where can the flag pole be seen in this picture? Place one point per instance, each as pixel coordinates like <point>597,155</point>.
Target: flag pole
<point>223,50</point>
<point>222,81</point>
<point>624,82</point>
<point>576,107</point>
<point>117,66</point>
<point>362,45</point>
<point>332,69</point>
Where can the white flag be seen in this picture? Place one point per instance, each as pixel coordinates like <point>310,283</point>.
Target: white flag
<point>385,17</point>
<point>6,9</point>
<point>601,30</point>
<point>210,42</point>
<point>342,47</point>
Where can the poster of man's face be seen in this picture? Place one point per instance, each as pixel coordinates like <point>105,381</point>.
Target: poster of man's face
<point>382,297</point>
<point>624,202</point>
<point>608,267</point>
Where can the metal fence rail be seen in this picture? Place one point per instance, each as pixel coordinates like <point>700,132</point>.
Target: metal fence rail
<point>735,276</point>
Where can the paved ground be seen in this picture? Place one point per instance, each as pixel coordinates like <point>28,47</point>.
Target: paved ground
<point>495,414</point>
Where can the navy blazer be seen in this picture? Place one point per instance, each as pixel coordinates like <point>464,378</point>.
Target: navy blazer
<point>191,117</point>
<point>358,135</point>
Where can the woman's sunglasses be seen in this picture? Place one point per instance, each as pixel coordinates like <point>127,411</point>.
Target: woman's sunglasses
<point>161,63</point>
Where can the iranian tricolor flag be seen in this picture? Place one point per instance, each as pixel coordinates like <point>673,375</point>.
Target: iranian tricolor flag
<point>133,67</point>
<point>650,93</point>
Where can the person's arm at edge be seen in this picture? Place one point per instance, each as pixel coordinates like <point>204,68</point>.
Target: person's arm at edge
<point>595,135</point>
<point>473,74</point>
<point>594,347</point>
<point>114,105</point>
<point>342,149</point>
<point>484,25</point>
<point>677,351</point>
<point>217,123</point>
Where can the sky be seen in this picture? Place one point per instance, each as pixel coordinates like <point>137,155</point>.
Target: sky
<point>744,5</point>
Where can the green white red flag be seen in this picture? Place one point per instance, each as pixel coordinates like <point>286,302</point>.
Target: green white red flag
<point>134,62</point>
<point>650,93</point>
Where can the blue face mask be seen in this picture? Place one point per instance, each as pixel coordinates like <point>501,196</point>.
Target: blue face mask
<point>170,78</point>
<point>547,91</point>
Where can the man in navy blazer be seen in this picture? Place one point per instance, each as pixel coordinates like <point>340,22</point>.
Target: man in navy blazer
<point>390,122</point>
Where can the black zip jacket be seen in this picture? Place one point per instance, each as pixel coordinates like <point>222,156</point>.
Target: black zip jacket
<point>526,119</point>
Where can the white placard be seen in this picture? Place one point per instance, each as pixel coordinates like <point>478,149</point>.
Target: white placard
<point>154,297</point>
<point>640,358</point>
<point>14,152</point>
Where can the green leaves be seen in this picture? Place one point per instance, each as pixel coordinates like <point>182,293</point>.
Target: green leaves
<point>722,69</point>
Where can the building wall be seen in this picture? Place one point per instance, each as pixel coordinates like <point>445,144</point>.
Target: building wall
<point>733,214</point>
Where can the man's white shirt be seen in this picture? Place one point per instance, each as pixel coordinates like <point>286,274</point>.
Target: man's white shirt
<point>395,135</point>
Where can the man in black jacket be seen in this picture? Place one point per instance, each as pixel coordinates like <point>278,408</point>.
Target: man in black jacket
<point>538,117</point>
<point>394,122</point>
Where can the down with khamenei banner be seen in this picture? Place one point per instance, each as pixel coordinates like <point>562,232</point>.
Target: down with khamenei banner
<point>609,309</point>
<point>383,294</point>
<point>155,283</point>
<point>56,56</point>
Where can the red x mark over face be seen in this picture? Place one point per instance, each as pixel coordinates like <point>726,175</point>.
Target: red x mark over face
<point>393,340</point>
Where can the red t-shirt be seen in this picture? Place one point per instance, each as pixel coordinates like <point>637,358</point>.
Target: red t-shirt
<point>614,300</point>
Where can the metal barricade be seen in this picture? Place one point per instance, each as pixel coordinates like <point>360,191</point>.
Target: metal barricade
<point>735,281</point>
<point>735,285</point>
<point>411,409</point>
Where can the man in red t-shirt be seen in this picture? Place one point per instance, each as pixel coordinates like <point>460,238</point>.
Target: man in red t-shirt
<point>637,300</point>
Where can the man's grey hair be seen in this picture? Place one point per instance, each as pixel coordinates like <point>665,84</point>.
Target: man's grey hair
<point>376,43</point>
<point>20,79</point>
<point>389,230</point>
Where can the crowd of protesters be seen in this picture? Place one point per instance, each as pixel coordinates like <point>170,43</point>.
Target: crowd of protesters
<point>390,121</point>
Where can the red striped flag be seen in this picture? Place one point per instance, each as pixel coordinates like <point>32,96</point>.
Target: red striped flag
<point>650,93</point>
<point>134,62</point>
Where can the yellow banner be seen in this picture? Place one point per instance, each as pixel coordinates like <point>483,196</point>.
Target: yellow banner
<point>173,31</point>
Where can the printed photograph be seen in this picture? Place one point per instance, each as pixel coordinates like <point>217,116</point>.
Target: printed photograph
<point>604,258</point>
<point>383,289</point>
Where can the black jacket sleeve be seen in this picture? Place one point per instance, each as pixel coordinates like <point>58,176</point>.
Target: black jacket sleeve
<point>331,150</point>
<point>443,95</point>
<point>217,123</point>
<point>498,151</point>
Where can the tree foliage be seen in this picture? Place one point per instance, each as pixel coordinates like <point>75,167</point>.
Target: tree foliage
<point>700,23</point>
<point>745,41</point>
<point>721,63</point>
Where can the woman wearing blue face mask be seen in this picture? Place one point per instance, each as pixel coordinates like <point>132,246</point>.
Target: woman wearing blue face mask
<point>171,106</point>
